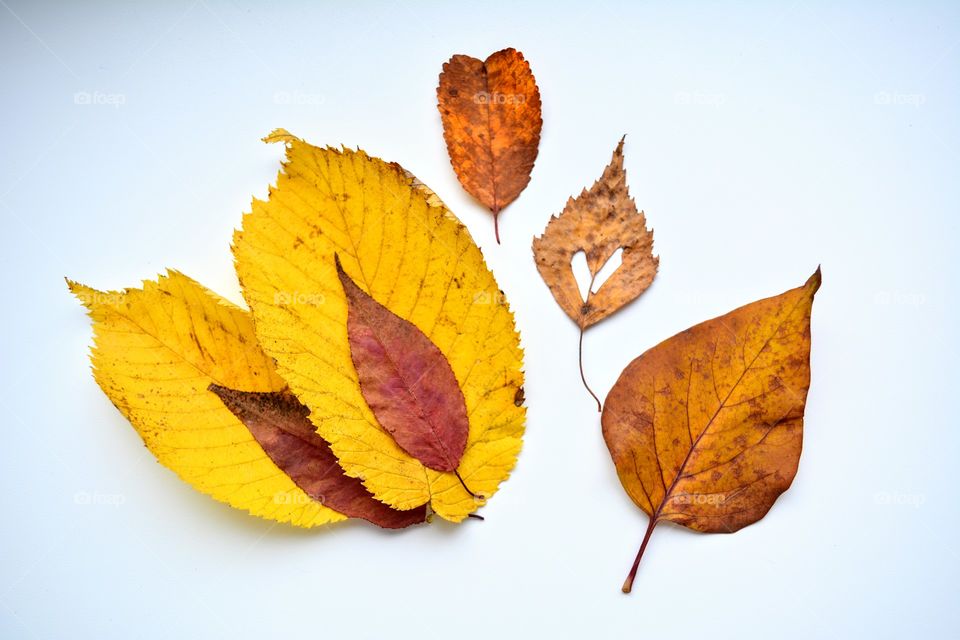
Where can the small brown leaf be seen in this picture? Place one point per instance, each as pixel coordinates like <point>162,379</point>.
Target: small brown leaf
<point>598,222</point>
<point>491,123</point>
<point>280,424</point>
<point>406,380</point>
<point>705,428</point>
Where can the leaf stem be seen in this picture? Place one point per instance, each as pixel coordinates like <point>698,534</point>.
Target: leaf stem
<point>456,472</point>
<point>628,583</point>
<point>582,377</point>
<point>496,223</point>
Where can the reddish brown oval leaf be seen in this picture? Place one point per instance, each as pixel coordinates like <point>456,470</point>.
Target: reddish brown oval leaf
<point>706,428</point>
<point>491,123</point>
<point>281,424</point>
<point>406,380</point>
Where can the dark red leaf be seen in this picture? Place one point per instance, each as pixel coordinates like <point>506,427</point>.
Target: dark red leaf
<point>406,380</point>
<point>281,425</point>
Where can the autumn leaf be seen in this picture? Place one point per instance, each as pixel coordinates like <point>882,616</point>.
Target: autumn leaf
<point>280,423</point>
<point>491,122</point>
<point>406,252</point>
<point>406,381</point>
<point>705,428</point>
<point>156,350</point>
<point>598,222</point>
<point>159,348</point>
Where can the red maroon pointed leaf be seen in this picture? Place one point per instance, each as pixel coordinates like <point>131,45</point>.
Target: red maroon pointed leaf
<point>280,423</point>
<point>406,380</point>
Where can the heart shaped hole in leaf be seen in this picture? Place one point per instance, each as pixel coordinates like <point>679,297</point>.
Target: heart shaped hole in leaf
<point>581,271</point>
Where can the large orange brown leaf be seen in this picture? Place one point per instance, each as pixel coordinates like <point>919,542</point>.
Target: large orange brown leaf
<point>705,429</point>
<point>281,424</point>
<point>598,222</point>
<point>491,123</point>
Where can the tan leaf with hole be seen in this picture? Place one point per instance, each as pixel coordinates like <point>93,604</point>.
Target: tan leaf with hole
<point>598,222</point>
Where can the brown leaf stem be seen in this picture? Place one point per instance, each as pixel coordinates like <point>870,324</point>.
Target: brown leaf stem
<point>583,377</point>
<point>465,487</point>
<point>628,583</point>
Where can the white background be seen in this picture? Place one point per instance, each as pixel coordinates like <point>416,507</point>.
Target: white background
<point>763,139</point>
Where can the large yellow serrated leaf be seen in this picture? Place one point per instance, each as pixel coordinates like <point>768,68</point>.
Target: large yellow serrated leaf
<point>412,255</point>
<point>156,350</point>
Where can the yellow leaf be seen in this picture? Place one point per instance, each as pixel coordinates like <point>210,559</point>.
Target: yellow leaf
<point>156,351</point>
<point>405,249</point>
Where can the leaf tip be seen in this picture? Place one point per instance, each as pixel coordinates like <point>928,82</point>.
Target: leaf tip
<point>86,295</point>
<point>349,286</point>
<point>815,280</point>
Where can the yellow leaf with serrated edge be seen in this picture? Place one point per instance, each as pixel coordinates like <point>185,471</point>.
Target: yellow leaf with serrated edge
<point>156,350</point>
<point>404,248</point>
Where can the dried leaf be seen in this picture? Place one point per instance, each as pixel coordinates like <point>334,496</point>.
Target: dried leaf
<point>405,250</point>
<point>491,123</point>
<point>280,424</point>
<point>406,381</point>
<point>157,349</point>
<point>705,428</point>
<point>598,222</point>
